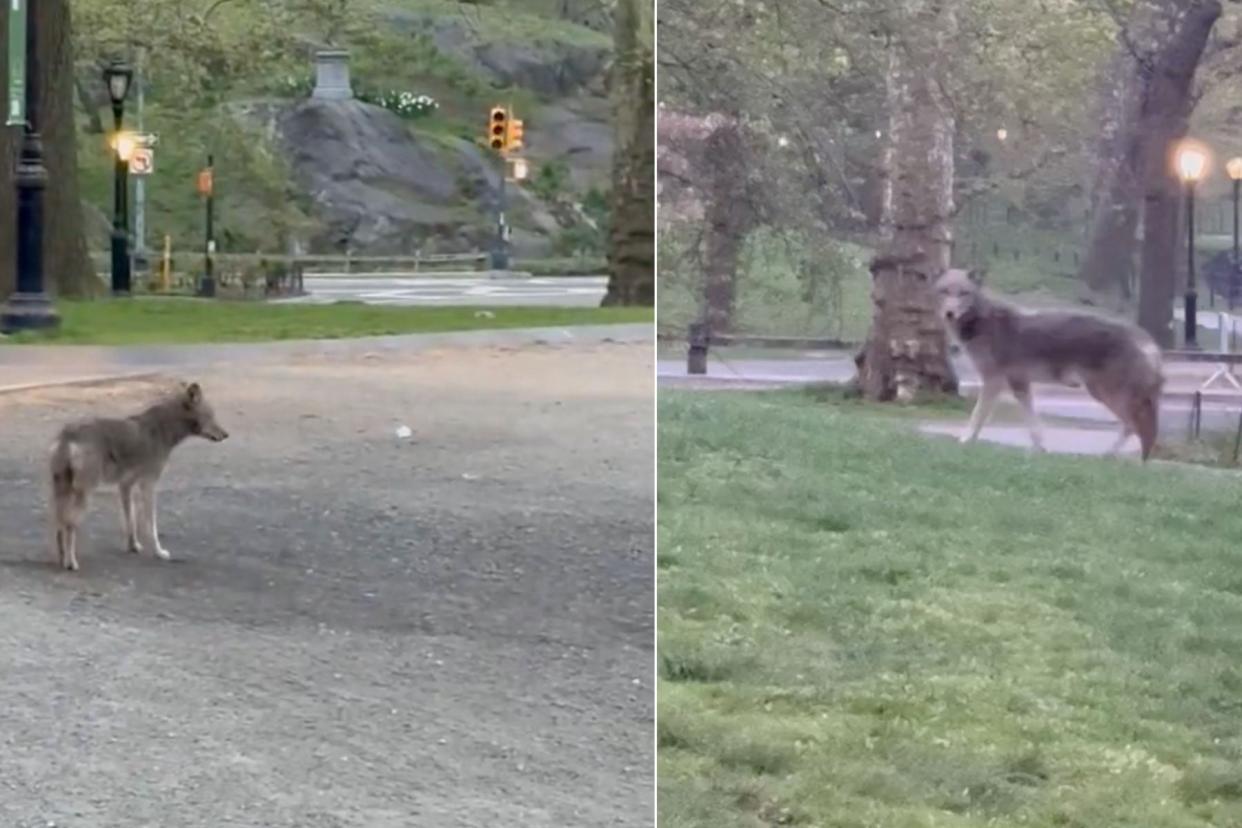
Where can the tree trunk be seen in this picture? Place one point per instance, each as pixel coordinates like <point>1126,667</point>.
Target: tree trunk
<point>729,215</point>
<point>886,155</point>
<point>720,262</point>
<point>1163,121</point>
<point>67,267</point>
<point>90,106</point>
<point>1118,192</point>
<point>1109,262</point>
<point>1156,285</point>
<point>906,354</point>
<point>631,249</point>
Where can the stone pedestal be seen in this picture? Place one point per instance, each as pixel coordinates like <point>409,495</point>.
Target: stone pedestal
<point>332,75</point>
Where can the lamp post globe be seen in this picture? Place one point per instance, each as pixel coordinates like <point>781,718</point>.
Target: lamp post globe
<point>118,75</point>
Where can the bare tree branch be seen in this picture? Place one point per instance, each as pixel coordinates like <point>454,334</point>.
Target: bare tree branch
<point>979,187</point>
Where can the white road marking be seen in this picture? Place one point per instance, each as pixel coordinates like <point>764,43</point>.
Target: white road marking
<point>383,290</point>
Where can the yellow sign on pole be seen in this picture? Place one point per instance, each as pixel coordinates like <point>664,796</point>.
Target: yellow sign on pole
<point>205,182</point>
<point>517,135</point>
<point>166,268</point>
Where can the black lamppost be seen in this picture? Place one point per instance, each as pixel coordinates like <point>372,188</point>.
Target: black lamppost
<point>1191,161</point>
<point>118,75</point>
<point>1234,169</point>
<point>29,307</point>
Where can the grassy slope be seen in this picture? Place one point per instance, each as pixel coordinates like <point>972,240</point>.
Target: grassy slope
<point>860,627</point>
<point>143,321</point>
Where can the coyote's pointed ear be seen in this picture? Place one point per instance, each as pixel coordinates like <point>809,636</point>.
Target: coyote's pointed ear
<point>977,275</point>
<point>193,392</point>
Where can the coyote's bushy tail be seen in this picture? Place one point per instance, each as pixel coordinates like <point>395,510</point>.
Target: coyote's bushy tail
<point>64,465</point>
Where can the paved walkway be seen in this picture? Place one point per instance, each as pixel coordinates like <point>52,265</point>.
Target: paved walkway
<point>1182,377</point>
<point>1221,408</point>
<point>1057,439</point>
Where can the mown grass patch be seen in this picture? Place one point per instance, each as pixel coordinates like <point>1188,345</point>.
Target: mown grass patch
<point>146,321</point>
<point>861,627</point>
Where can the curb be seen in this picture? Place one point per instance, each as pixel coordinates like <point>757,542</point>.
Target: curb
<point>163,357</point>
<point>1181,395</point>
<point>79,382</point>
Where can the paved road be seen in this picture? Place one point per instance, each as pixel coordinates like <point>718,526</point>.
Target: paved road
<point>409,290</point>
<point>359,630</point>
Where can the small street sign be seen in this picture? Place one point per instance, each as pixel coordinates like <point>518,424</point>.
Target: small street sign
<point>142,161</point>
<point>205,182</point>
<point>146,139</point>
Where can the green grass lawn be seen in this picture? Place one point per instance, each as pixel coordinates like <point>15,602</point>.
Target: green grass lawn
<point>863,627</point>
<point>148,321</point>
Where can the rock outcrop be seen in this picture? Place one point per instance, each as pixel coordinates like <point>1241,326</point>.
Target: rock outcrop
<point>372,185</point>
<point>551,67</point>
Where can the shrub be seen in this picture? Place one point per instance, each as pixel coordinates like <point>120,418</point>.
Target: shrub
<point>402,104</point>
<point>293,86</point>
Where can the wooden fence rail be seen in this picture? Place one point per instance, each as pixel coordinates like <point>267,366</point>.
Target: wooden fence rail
<point>701,339</point>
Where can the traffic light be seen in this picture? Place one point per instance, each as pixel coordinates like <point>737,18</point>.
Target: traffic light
<point>498,129</point>
<point>516,131</point>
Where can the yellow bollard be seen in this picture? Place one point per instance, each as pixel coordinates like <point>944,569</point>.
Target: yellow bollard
<point>166,269</point>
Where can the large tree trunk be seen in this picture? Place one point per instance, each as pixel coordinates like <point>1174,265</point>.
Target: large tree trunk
<point>1118,189</point>
<point>1163,121</point>
<point>1160,233</point>
<point>631,249</point>
<point>729,215</point>
<point>906,354</point>
<point>67,267</point>
<point>886,155</point>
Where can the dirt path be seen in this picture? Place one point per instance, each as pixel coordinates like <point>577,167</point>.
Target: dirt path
<point>449,630</point>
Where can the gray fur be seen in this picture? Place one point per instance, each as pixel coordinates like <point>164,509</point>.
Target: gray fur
<point>129,453</point>
<point>1118,363</point>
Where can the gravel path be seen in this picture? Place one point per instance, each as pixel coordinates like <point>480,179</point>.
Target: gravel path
<point>453,629</point>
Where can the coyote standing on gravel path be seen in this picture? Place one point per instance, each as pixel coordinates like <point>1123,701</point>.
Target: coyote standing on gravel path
<point>130,453</point>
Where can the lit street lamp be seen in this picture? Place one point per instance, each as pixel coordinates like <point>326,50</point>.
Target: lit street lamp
<point>28,307</point>
<point>1191,162</point>
<point>1234,169</point>
<point>118,76</point>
